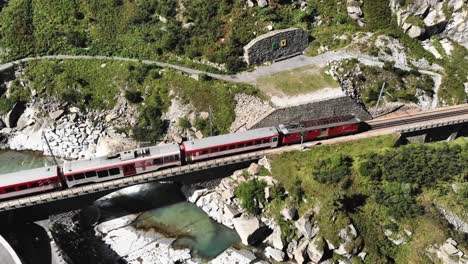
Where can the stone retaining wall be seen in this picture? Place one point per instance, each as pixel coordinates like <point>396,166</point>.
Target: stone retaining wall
<point>327,108</point>
<point>276,45</point>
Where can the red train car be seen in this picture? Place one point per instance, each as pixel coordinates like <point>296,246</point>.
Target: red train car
<point>222,145</point>
<point>28,182</point>
<point>318,128</point>
<point>123,164</point>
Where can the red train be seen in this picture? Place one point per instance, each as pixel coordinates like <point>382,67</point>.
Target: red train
<point>143,160</point>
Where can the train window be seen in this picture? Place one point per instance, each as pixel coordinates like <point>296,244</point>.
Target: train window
<point>266,140</point>
<point>158,161</point>
<point>90,174</point>
<point>214,150</point>
<point>258,142</point>
<point>168,159</point>
<point>232,146</point>
<point>10,189</point>
<point>114,171</point>
<point>35,184</point>
<point>249,144</point>
<point>275,139</point>
<point>241,145</point>
<point>103,173</point>
<point>22,187</point>
<point>78,176</point>
<point>46,183</point>
<point>70,178</point>
<point>204,152</point>
<point>223,148</point>
<point>176,157</point>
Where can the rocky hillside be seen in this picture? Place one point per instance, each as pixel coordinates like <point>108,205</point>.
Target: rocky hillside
<point>353,221</point>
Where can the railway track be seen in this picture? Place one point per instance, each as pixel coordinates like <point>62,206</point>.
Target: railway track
<point>380,124</point>
<point>167,173</point>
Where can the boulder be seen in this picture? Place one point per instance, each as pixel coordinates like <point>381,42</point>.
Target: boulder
<point>275,254</point>
<point>56,114</point>
<point>199,134</point>
<point>11,118</point>
<point>304,226</point>
<point>196,195</point>
<point>230,212</point>
<point>228,194</point>
<point>300,252</point>
<point>362,255</point>
<point>262,3</point>
<point>415,31</point>
<point>450,249</point>
<point>290,249</point>
<point>316,249</point>
<point>275,238</point>
<point>74,109</point>
<point>2,125</point>
<point>246,227</point>
<point>204,115</point>
<point>264,162</point>
<point>253,169</point>
<point>289,212</point>
<point>232,255</point>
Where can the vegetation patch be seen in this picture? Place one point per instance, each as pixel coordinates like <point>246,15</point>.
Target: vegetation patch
<point>297,81</point>
<point>96,84</point>
<point>377,187</point>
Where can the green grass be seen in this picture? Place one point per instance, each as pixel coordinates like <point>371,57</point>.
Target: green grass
<point>353,198</point>
<point>297,81</point>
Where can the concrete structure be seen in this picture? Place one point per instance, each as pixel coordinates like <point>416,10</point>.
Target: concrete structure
<point>7,254</point>
<point>320,109</point>
<point>275,45</point>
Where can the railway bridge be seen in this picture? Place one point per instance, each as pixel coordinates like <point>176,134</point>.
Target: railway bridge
<point>453,119</point>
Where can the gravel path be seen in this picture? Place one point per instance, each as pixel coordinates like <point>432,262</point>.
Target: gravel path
<point>251,77</point>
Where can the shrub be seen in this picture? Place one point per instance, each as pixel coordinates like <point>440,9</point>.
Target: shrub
<point>184,123</point>
<point>251,194</point>
<point>333,169</point>
<point>296,191</point>
<point>133,96</point>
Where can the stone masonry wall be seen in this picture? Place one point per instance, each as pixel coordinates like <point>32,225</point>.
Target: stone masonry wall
<point>276,45</point>
<point>327,108</point>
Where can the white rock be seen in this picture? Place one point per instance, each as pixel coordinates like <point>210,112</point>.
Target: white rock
<point>304,226</point>
<point>230,212</point>
<point>253,169</point>
<point>246,226</point>
<point>275,254</point>
<point>265,163</point>
<point>275,238</point>
<point>450,249</point>
<point>196,195</point>
<point>316,250</point>
<point>232,255</point>
<point>362,255</point>
<point>289,212</point>
<point>56,114</point>
<point>300,252</point>
<point>262,3</point>
<point>204,115</point>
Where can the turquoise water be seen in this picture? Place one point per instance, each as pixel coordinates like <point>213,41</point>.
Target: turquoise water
<point>192,227</point>
<point>163,208</point>
<point>11,161</point>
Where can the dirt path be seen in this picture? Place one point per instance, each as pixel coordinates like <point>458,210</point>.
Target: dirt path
<point>251,77</point>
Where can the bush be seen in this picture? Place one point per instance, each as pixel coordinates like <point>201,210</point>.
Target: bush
<point>251,194</point>
<point>133,96</point>
<point>296,191</point>
<point>333,169</point>
<point>184,123</point>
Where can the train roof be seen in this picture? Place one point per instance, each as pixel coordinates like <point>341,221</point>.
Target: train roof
<point>318,124</point>
<point>28,175</point>
<point>230,138</point>
<point>121,157</point>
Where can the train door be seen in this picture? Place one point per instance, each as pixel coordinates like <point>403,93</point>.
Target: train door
<point>129,169</point>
